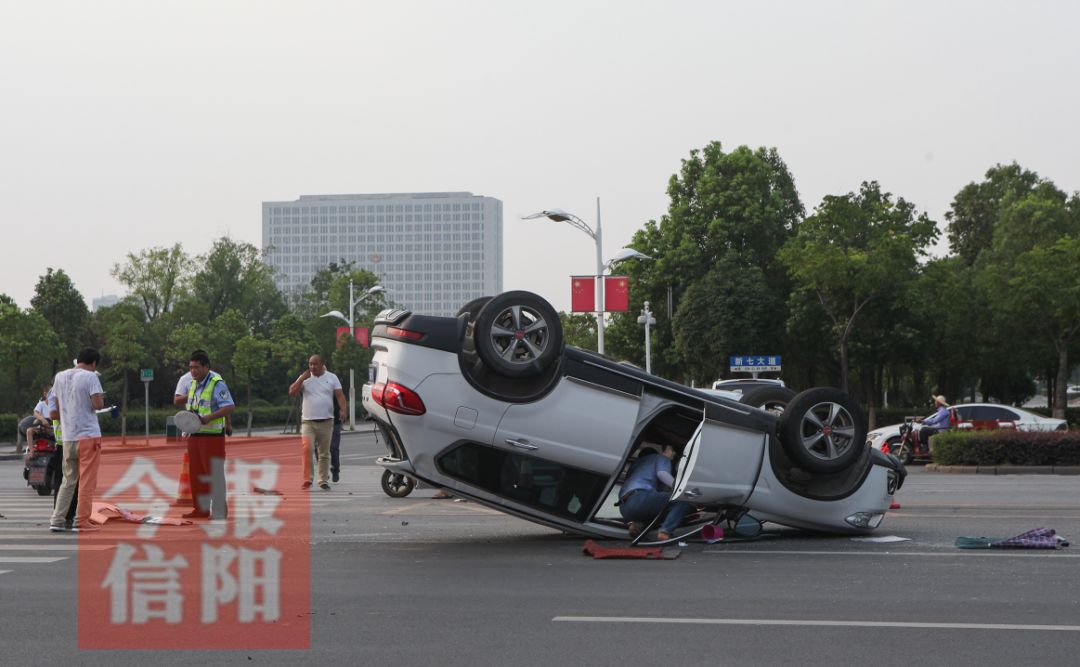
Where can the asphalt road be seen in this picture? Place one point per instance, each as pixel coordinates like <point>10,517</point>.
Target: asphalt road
<point>421,581</point>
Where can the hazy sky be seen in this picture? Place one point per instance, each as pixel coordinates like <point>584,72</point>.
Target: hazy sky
<point>126,125</point>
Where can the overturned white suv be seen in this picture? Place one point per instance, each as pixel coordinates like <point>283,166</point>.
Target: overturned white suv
<point>493,406</point>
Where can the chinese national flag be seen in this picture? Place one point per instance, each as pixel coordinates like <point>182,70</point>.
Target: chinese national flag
<point>582,294</point>
<point>361,335</point>
<point>616,294</point>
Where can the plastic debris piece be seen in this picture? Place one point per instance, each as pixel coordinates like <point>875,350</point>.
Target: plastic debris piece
<point>881,539</point>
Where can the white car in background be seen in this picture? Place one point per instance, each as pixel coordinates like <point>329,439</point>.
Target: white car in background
<point>976,415</point>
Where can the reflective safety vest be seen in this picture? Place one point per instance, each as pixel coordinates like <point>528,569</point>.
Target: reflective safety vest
<point>58,435</point>
<point>201,404</point>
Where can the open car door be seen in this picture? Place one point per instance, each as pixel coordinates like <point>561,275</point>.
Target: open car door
<point>720,466</point>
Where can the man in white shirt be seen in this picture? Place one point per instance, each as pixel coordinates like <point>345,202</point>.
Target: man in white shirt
<point>320,388</point>
<point>78,394</point>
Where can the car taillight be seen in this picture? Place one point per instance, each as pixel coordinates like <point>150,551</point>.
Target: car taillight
<point>398,332</point>
<point>396,398</point>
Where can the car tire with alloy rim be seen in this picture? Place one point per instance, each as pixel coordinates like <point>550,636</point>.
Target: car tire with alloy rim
<point>773,399</point>
<point>823,430</point>
<point>518,334</point>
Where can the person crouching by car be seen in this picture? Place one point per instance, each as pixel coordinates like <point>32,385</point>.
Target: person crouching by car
<point>938,421</point>
<point>647,491</point>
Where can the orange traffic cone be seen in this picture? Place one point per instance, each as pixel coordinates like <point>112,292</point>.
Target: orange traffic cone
<point>183,493</point>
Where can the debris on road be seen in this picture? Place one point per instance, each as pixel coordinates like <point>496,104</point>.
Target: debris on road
<point>1039,538</point>
<point>593,549</point>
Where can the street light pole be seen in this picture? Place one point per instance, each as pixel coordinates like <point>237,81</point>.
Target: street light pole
<point>352,375</point>
<point>350,320</point>
<point>648,320</point>
<point>599,282</point>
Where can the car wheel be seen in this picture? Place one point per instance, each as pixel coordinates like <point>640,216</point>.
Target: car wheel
<point>823,430</point>
<point>518,334</point>
<point>899,449</point>
<point>397,485</point>
<point>473,308</point>
<point>769,399</point>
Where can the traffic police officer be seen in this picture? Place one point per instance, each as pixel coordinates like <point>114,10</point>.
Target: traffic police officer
<point>208,397</point>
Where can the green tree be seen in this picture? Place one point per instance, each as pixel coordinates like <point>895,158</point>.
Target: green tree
<point>855,248</point>
<point>250,360</point>
<point>223,335</point>
<point>730,310</point>
<point>155,277</point>
<point>291,343</point>
<point>1044,290</point>
<point>332,288</point>
<point>976,208</point>
<point>351,356</point>
<point>183,341</point>
<point>64,308</point>
<point>28,348</point>
<point>741,204</point>
<point>234,275</point>
<point>125,354</point>
<point>579,330</point>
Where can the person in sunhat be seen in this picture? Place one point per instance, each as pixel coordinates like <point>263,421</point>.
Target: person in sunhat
<point>938,421</point>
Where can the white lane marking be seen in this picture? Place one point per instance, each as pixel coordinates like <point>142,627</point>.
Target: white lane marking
<point>815,623</point>
<point>4,571</point>
<point>37,535</point>
<point>56,547</point>
<point>31,559</point>
<point>977,553</point>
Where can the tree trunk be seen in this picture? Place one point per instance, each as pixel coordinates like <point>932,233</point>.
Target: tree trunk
<point>249,408</point>
<point>18,404</point>
<point>1061,397</point>
<point>843,364</point>
<point>123,409</point>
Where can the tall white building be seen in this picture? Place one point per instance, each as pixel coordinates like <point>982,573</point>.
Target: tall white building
<point>432,251</point>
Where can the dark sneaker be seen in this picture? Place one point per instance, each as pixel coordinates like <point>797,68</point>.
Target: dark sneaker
<point>324,486</point>
<point>305,486</point>
<point>196,515</point>
<point>59,529</point>
<point>335,476</point>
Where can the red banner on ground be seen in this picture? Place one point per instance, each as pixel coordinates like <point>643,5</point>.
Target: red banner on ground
<point>616,294</point>
<point>582,294</point>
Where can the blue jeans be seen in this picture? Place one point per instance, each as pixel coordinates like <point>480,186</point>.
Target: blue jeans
<point>335,448</point>
<point>644,505</point>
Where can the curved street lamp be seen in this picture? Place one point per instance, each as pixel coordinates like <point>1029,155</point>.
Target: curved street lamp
<point>559,215</point>
<point>350,320</point>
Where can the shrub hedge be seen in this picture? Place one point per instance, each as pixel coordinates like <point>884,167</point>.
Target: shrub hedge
<point>9,427</point>
<point>262,417</point>
<point>1007,447</point>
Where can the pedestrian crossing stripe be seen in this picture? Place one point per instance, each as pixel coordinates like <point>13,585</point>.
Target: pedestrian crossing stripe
<point>32,559</point>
